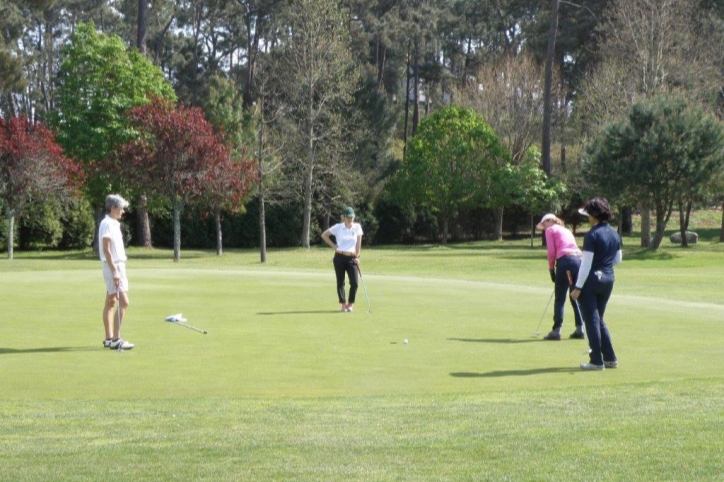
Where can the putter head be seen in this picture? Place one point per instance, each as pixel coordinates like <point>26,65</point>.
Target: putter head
<point>536,334</point>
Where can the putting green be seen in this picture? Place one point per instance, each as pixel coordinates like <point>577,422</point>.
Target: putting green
<point>280,334</point>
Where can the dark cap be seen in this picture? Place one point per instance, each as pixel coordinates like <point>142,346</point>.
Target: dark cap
<point>348,212</point>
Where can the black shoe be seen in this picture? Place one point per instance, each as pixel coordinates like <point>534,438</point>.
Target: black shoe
<point>553,336</point>
<point>578,335</point>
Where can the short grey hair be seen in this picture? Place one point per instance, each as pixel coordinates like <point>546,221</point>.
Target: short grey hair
<point>115,200</point>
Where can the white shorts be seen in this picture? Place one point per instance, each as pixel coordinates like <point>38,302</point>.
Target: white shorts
<point>111,282</point>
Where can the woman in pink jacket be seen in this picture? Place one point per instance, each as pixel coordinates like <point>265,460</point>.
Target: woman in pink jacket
<point>564,257</point>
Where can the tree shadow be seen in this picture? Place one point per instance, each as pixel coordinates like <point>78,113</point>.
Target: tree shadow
<point>319,312</point>
<point>50,349</point>
<point>515,373</point>
<point>496,340</point>
<point>57,255</point>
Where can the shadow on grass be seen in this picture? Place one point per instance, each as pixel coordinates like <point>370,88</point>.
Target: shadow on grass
<point>58,255</point>
<point>515,373</point>
<point>50,349</point>
<point>324,312</point>
<point>650,254</point>
<point>496,340</point>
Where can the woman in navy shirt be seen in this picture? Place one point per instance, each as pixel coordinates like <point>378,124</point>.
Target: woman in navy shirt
<point>601,252</point>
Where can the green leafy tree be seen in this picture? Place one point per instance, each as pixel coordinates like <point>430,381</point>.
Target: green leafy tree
<point>452,158</point>
<point>659,155</point>
<point>317,77</point>
<point>99,80</point>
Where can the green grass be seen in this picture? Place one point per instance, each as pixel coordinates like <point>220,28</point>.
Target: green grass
<point>284,387</point>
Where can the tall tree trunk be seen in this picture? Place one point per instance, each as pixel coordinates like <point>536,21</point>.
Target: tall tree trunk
<point>307,190</point>
<point>416,86</point>
<point>626,222</point>
<point>262,222</point>
<point>645,227</point>
<point>11,232</point>
<point>498,217</point>
<point>407,102</point>
<point>177,231</point>
<point>219,234</point>
<point>547,101</point>
<point>12,105</point>
<point>381,60</point>
<point>252,48</point>
<point>143,224</point>
<point>99,215</point>
<point>684,215</point>
<point>142,26</point>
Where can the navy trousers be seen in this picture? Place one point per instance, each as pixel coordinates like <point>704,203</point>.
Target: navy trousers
<point>563,264</point>
<point>593,299</point>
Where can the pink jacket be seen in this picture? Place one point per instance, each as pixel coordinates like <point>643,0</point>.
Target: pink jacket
<point>560,242</point>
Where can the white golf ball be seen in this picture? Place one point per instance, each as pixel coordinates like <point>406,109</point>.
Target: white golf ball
<point>404,341</point>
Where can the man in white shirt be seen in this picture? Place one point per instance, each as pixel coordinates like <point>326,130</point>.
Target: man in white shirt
<point>113,256</point>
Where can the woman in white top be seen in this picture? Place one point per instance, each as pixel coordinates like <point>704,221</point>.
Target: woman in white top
<point>113,256</point>
<point>348,237</point>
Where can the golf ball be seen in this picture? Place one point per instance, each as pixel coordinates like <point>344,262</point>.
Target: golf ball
<point>404,341</point>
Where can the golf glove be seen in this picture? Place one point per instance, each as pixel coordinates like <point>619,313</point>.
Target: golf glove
<point>553,275</point>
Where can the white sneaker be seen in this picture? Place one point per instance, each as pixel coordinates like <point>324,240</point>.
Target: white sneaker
<point>611,364</point>
<point>349,308</point>
<point>106,343</point>
<point>121,344</point>
<point>591,367</point>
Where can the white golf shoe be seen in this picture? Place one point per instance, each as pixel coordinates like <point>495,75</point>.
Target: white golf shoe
<point>121,344</point>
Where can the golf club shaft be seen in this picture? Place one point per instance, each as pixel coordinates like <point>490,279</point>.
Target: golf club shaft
<point>191,327</point>
<point>364,286</point>
<point>537,332</point>
<point>118,316</point>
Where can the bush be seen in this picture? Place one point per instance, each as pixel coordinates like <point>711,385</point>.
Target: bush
<point>40,226</point>
<point>78,225</point>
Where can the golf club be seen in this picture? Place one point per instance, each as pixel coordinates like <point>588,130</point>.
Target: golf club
<point>118,316</point>
<point>178,319</point>
<point>181,323</point>
<point>359,270</point>
<point>536,333</point>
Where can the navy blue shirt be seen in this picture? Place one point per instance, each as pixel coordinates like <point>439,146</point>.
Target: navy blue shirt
<point>604,242</point>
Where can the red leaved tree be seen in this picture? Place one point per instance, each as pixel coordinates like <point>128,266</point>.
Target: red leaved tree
<point>32,169</point>
<point>226,185</point>
<point>173,157</point>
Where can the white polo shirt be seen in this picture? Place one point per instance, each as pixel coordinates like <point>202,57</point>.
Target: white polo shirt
<point>346,238</point>
<point>111,228</point>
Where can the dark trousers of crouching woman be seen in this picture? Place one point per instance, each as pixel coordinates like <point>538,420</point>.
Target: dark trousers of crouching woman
<point>566,263</point>
<point>593,299</point>
<point>345,264</point>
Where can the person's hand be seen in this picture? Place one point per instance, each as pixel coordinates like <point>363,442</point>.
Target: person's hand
<point>553,275</point>
<point>575,293</point>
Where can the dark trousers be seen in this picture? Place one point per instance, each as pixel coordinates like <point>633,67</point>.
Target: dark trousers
<point>563,264</point>
<point>345,264</point>
<point>593,300</point>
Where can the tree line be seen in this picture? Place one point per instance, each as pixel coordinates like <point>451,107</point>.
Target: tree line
<point>437,119</point>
